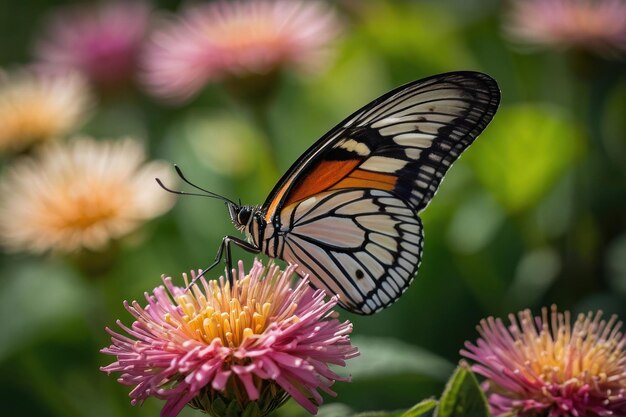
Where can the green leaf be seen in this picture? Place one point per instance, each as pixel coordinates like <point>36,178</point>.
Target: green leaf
<point>381,357</point>
<point>463,396</point>
<point>334,410</point>
<point>524,152</point>
<point>380,414</point>
<point>420,408</point>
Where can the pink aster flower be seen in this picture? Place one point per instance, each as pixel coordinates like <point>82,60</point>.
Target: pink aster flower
<point>237,39</point>
<point>594,25</point>
<point>547,366</point>
<point>100,41</point>
<point>254,343</point>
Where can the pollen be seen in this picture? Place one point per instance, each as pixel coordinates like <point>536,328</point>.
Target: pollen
<point>583,354</point>
<point>234,314</point>
<point>547,365</point>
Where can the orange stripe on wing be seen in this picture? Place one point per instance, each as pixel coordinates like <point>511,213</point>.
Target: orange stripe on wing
<point>366,179</point>
<point>321,178</point>
<point>389,179</point>
<point>274,204</point>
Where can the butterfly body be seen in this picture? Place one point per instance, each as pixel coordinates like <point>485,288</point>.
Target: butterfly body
<point>347,210</point>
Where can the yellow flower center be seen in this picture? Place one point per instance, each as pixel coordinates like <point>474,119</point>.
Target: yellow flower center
<point>85,206</point>
<point>589,352</point>
<point>233,315</point>
<point>31,119</point>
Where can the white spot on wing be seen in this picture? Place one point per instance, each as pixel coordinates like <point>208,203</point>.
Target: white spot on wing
<point>413,153</point>
<point>419,140</point>
<point>397,129</point>
<point>383,164</point>
<point>352,145</point>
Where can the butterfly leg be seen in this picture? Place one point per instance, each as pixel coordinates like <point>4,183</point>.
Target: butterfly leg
<point>228,258</point>
<point>224,252</point>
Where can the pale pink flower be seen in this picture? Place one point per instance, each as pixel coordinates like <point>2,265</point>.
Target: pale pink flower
<point>102,41</point>
<point>237,39</point>
<point>595,25</point>
<point>254,342</point>
<point>85,194</point>
<point>36,107</point>
<point>545,366</point>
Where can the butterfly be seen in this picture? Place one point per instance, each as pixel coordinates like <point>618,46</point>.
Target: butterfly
<point>346,212</point>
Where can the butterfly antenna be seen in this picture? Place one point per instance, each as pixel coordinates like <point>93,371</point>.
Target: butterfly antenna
<point>210,193</point>
<point>207,192</point>
<point>169,190</point>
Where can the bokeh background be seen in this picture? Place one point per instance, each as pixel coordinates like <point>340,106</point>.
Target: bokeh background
<point>533,214</point>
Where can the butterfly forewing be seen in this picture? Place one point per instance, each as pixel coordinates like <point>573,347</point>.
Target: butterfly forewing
<point>346,211</point>
<point>413,134</point>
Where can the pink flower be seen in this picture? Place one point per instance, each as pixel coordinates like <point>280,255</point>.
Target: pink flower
<point>253,342</point>
<point>595,25</point>
<point>238,39</point>
<point>545,366</point>
<point>100,41</point>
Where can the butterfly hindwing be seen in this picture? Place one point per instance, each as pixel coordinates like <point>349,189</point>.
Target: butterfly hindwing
<point>362,244</point>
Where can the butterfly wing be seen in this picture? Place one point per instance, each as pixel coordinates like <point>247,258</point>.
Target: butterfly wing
<point>348,206</point>
<point>363,244</point>
<point>404,141</point>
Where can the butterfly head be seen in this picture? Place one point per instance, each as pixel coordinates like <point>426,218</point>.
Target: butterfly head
<point>245,218</point>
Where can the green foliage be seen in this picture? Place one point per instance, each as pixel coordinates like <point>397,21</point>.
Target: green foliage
<point>381,358</point>
<point>420,408</point>
<point>415,33</point>
<point>463,396</point>
<point>41,313</point>
<point>524,151</point>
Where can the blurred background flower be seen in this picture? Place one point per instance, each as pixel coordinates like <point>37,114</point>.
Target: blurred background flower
<point>244,346</point>
<point>37,107</point>
<point>237,40</point>
<point>546,366</point>
<point>101,41</point>
<point>593,25</point>
<point>79,195</point>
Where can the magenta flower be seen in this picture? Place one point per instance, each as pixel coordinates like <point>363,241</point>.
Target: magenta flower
<point>237,39</point>
<point>594,25</point>
<point>100,41</point>
<point>544,366</point>
<point>255,343</point>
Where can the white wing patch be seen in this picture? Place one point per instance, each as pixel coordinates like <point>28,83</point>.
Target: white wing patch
<point>364,245</point>
<point>383,164</point>
<point>352,145</point>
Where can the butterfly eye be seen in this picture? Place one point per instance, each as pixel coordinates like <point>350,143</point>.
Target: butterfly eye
<point>244,216</point>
